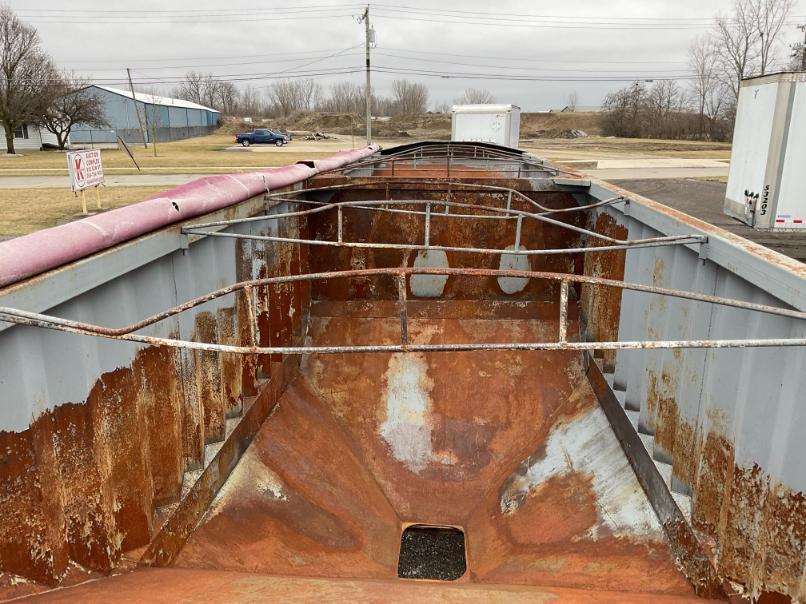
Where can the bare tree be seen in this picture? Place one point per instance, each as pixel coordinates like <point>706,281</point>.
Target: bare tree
<point>623,111</point>
<point>746,39</point>
<point>26,75</point>
<point>250,102</point>
<point>284,95</point>
<point>572,101</point>
<point>442,108</point>
<point>74,103</point>
<point>197,88</point>
<point>664,111</point>
<point>769,17</point>
<point>662,105</point>
<point>707,88</point>
<point>475,96</point>
<point>344,97</point>
<point>294,95</point>
<point>226,97</point>
<point>206,89</point>
<point>410,97</point>
<point>309,92</point>
<point>737,41</point>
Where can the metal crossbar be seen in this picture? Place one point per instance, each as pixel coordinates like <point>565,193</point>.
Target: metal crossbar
<point>616,244</point>
<point>455,153</point>
<point>401,275</point>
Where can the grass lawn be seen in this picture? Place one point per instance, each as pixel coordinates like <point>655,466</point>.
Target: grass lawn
<point>203,155</point>
<point>207,154</point>
<point>25,210</point>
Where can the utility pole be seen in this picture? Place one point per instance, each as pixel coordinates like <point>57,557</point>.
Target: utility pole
<point>368,34</point>
<point>136,110</point>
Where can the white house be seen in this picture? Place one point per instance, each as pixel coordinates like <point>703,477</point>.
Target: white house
<point>28,138</point>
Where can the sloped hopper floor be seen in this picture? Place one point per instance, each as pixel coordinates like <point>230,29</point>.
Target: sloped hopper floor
<point>511,446</point>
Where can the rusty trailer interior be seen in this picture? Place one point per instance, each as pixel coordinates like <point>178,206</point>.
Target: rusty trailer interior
<point>443,371</point>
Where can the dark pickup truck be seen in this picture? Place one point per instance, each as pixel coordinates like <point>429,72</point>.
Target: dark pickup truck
<point>265,136</point>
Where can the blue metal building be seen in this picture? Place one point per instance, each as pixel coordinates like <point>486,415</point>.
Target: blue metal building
<point>173,119</point>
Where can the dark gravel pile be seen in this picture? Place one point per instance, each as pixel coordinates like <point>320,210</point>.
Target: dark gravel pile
<point>428,552</point>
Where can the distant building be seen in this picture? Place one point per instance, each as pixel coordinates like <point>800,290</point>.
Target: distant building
<point>581,109</point>
<point>174,118</point>
<point>27,138</point>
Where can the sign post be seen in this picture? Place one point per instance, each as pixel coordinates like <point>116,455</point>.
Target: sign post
<point>86,171</point>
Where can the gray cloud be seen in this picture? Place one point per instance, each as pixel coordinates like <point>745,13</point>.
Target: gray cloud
<point>232,44</point>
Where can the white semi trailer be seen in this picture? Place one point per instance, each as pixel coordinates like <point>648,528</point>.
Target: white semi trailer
<point>499,124</point>
<point>767,180</point>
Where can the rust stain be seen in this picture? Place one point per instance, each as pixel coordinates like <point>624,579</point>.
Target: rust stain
<point>216,586</point>
<point>543,518</point>
<point>330,481</point>
<point>322,491</point>
<point>231,368</point>
<point>361,225</point>
<point>602,305</point>
<point>80,484</point>
<point>208,379</point>
<point>753,527</point>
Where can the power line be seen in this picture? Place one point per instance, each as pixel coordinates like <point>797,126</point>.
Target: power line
<point>408,13</point>
<point>304,9</point>
<point>531,59</point>
<point>507,68</point>
<point>205,66</point>
<point>389,13</point>
<point>296,8</point>
<point>189,18</point>
<point>521,78</point>
<point>499,14</point>
<point>203,58</point>
<point>311,54</point>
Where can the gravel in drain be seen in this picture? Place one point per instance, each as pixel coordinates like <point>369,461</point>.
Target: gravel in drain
<point>430,552</point>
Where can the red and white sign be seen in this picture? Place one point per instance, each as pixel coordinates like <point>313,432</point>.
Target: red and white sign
<point>86,169</point>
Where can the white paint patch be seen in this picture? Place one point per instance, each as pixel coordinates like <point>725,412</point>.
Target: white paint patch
<point>251,475</point>
<point>587,445</point>
<point>513,262</point>
<point>407,429</point>
<point>429,286</point>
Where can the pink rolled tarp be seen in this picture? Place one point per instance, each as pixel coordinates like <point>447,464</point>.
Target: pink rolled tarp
<point>47,249</point>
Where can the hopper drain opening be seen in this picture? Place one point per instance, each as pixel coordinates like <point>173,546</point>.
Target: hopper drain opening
<point>432,552</point>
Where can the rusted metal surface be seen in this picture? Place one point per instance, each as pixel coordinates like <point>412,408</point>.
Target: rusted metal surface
<point>439,439</point>
<point>468,288</point>
<point>698,565</point>
<point>602,305</point>
<point>92,479</point>
<point>218,586</point>
<point>81,483</point>
<point>753,525</point>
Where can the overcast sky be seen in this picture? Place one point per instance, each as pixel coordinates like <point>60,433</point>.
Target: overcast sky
<point>577,39</point>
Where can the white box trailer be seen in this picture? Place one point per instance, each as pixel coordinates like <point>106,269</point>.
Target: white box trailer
<point>499,124</point>
<point>767,179</point>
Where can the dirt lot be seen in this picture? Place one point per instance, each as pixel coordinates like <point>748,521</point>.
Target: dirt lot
<point>598,147</point>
